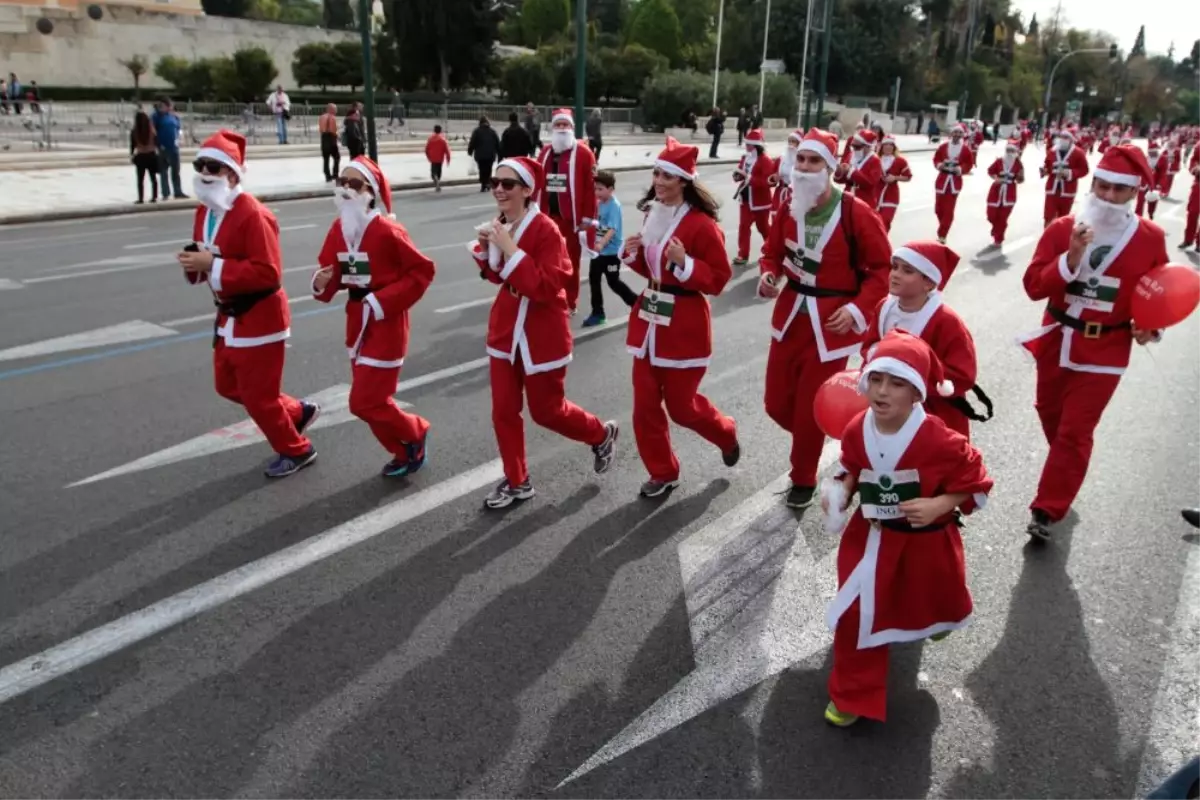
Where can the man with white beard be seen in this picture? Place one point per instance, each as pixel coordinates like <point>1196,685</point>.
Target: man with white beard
<point>1086,268</point>
<point>235,250</point>
<point>568,195</point>
<point>782,178</point>
<point>828,261</point>
<point>1006,173</point>
<point>1149,195</point>
<point>863,173</point>
<point>1065,165</point>
<point>953,159</point>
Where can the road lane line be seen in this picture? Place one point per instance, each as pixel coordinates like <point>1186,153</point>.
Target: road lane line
<point>61,237</point>
<point>122,333</point>
<point>7,284</point>
<point>469,304</point>
<point>176,242</point>
<point>76,653</point>
<point>72,275</point>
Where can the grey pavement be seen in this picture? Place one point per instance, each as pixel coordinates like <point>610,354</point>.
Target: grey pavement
<point>335,634</point>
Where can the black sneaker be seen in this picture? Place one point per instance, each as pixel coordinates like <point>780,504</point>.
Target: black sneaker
<point>801,496</point>
<point>308,415</point>
<point>653,488</point>
<point>1039,526</point>
<point>732,457</point>
<point>1192,515</point>
<point>506,494</point>
<point>606,451</point>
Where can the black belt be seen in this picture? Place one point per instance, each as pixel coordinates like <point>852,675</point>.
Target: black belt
<point>816,291</point>
<point>357,292</point>
<point>960,402</point>
<point>1090,330</point>
<point>239,304</point>
<point>902,526</point>
<point>677,291</point>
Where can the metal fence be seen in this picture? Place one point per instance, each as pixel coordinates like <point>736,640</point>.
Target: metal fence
<point>100,126</point>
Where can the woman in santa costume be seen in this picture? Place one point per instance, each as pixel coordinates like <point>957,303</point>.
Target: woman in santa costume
<point>1174,155</point>
<point>1191,227</point>
<point>753,194</point>
<point>1085,268</point>
<point>827,262</point>
<point>235,250</point>
<point>529,330</point>
<point>783,172</point>
<point>895,172</point>
<point>369,254</point>
<point>1065,165</point>
<point>863,173</point>
<point>681,252</point>
<point>952,160</point>
<point>1006,173</point>
<point>1149,194</point>
<point>901,567</point>
<point>568,196</point>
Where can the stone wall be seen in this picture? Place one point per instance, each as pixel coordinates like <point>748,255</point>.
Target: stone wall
<point>85,52</point>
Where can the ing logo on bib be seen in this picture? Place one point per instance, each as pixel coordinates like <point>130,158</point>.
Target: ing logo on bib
<point>1095,259</point>
<point>885,482</point>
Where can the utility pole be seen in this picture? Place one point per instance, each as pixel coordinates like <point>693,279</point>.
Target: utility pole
<point>364,29</point>
<point>825,59</point>
<point>580,64</point>
<point>717,64</point>
<point>804,65</point>
<point>762,72</point>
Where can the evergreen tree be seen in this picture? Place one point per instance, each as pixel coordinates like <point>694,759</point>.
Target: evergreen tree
<point>1139,44</point>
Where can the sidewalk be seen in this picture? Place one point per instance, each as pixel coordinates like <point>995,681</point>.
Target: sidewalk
<point>41,195</point>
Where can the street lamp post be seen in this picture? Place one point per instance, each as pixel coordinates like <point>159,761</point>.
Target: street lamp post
<point>828,17</point>
<point>717,64</point>
<point>1050,83</point>
<point>580,64</point>
<point>762,72</point>
<point>364,29</point>
<point>804,62</point>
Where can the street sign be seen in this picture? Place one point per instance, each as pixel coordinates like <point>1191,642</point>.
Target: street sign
<point>773,66</point>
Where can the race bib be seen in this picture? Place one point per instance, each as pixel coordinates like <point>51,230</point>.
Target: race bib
<point>656,307</point>
<point>1095,292</point>
<point>803,263</point>
<point>881,493</point>
<point>355,268</point>
<point>556,182</point>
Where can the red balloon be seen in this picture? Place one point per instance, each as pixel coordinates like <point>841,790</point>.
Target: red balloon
<point>837,402</point>
<point>1165,296</point>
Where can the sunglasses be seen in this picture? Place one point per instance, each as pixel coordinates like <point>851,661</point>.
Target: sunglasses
<point>207,166</point>
<point>353,184</point>
<point>509,184</point>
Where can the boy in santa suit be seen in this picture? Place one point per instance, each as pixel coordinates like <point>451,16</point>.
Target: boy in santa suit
<point>569,194</point>
<point>235,250</point>
<point>783,171</point>
<point>529,330</point>
<point>1191,227</point>
<point>901,566</point>
<point>823,300</point>
<point>753,177</point>
<point>863,173</point>
<point>1149,194</point>
<point>1006,172</point>
<point>920,272</point>
<point>1065,165</point>
<point>1086,268</point>
<point>952,160</point>
<point>895,172</point>
<point>369,254</point>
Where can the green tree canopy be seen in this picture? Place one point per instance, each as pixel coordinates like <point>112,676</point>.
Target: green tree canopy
<point>543,21</point>
<point>655,26</point>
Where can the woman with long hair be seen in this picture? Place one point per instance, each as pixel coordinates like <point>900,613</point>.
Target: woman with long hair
<point>895,172</point>
<point>681,252</point>
<point>143,152</point>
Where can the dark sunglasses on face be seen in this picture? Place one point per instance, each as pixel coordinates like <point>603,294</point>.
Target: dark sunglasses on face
<point>207,166</point>
<point>353,184</point>
<point>509,184</point>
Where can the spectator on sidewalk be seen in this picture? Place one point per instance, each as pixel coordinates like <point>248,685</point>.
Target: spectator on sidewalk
<point>143,152</point>
<point>35,97</point>
<point>533,127</point>
<point>167,130</point>
<point>835,127</point>
<point>327,125</point>
<point>743,125</point>
<point>716,127</point>
<point>437,150</point>
<point>756,117</point>
<point>514,142</point>
<point>353,134</point>
<point>484,147</point>
<point>281,107</point>
<point>3,96</point>
<point>396,113</point>
<point>248,121</point>
<point>14,92</point>
<point>592,129</point>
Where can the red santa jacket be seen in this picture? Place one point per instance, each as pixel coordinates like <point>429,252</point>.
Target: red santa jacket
<point>529,318</point>
<point>825,273</point>
<point>865,179</point>
<point>758,182</point>
<point>952,163</point>
<point>976,140</point>
<point>385,275</point>
<point>1159,167</point>
<point>1107,142</point>
<point>247,272</point>
<point>1005,192</point>
<point>897,167</point>
<point>1073,166</point>
<point>1175,158</point>
<point>574,182</point>
<point>1097,294</point>
<point>686,340</point>
<point>909,587</point>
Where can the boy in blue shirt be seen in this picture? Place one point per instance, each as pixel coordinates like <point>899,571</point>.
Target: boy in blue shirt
<point>608,246</point>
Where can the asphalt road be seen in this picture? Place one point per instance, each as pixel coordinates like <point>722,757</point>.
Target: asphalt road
<point>335,634</point>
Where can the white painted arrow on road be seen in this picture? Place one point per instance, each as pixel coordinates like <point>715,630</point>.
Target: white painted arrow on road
<point>132,331</point>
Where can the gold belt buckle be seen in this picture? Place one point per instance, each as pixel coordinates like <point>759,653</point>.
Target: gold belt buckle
<point>1092,330</point>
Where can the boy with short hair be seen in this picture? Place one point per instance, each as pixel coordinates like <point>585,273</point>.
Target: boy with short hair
<point>607,263</point>
<point>437,150</point>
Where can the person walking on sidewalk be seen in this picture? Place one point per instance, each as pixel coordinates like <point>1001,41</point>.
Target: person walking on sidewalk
<point>143,151</point>
<point>328,127</point>
<point>529,331</point>
<point>167,131</point>
<point>514,142</point>
<point>353,132</point>
<point>680,250</point>
<point>437,151</point>
<point>236,251</point>
<point>533,129</point>
<point>753,193</point>
<point>280,106</point>
<point>606,265</point>
<point>484,147</point>
<point>715,129</point>
<point>369,254</point>
<point>593,128</point>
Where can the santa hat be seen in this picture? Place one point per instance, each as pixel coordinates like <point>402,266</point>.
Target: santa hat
<point>910,358</point>
<point>376,180</point>
<point>678,159</point>
<point>889,139</point>
<point>797,134</point>
<point>1125,165</point>
<point>960,129</point>
<point>563,115</point>
<point>823,143</point>
<point>1151,146</point>
<point>1065,133</point>
<point>227,147</point>
<point>527,169</point>
<point>1013,144</point>
<point>866,137</point>
<point>755,137</point>
<point>933,260</point>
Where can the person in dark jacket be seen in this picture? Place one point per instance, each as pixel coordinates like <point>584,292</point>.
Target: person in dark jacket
<point>484,147</point>
<point>352,132</point>
<point>716,127</point>
<point>593,130</point>
<point>743,125</point>
<point>514,142</point>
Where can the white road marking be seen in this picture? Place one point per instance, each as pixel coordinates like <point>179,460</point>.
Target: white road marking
<point>132,331</point>
<point>6,284</point>
<point>177,243</point>
<point>469,304</point>
<point>72,275</point>
<point>305,268</point>
<point>477,206</point>
<point>174,323</point>
<point>1173,213</point>
<point>96,644</point>
<point>58,238</point>
<point>153,259</point>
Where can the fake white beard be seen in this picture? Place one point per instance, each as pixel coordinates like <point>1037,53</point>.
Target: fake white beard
<point>786,162</point>
<point>1009,161</point>
<point>857,157</point>
<point>1062,145</point>
<point>887,162</point>
<point>1153,161</point>
<point>214,192</point>
<point>658,220</point>
<point>354,212</point>
<point>955,148</point>
<point>807,188</point>
<point>751,158</point>
<point>1106,219</point>
<point>561,140</point>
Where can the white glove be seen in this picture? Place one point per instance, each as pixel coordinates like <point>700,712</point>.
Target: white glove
<point>833,503</point>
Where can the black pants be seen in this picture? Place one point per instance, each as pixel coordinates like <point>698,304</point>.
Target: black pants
<point>146,164</point>
<point>595,145</point>
<point>330,152</point>
<point>435,172</point>
<point>485,173</point>
<point>168,165</point>
<point>608,268</point>
<point>716,142</point>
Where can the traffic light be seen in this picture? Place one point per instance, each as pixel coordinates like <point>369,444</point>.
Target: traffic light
<point>1112,52</point>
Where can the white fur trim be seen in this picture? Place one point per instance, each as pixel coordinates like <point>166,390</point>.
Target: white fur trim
<point>511,264</point>
<point>673,169</point>
<point>945,388</point>
<point>1064,270</point>
<point>375,362</point>
<point>519,168</point>
<point>373,302</point>
<point>860,322</point>
<point>220,155</point>
<point>1153,196</point>
<point>920,263</point>
<point>857,138</point>
<point>1119,178</point>
<point>366,173</point>
<point>683,273</point>
<point>214,275</point>
<point>813,146</point>
<point>892,366</point>
<point>563,118</point>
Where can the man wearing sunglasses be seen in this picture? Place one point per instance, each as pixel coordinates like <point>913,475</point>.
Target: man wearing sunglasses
<point>235,250</point>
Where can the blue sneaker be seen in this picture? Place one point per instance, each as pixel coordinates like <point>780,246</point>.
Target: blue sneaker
<point>412,462</point>
<point>283,466</point>
<point>308,415</point>
<point>594,319</point>
<point>417,453</point>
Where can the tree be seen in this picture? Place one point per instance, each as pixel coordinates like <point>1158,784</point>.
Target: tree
<point>630,69</point>
<point>225,8</point>
<point>338,14</point>
<point>543,21</point>
<point>1032,31</point>
<point>656,26</point>
<point>314,64</point>
<point>300,12</point>
<point>444,44</point>
<point>191,80</point>
<point>348,56</point>
<point>246,76</point>
<point>1139,44</point>
<point>137,67</point>
<point>526,78</point>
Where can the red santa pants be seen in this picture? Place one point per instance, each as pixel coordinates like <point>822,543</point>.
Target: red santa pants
<point>662,392</point>
<point>1142,205</point>
<point>943,207</point>
<point>1166,192</point>
<point>1069,404</point>
<point>1191,227</point>
<point>858,679</point>
<point>1057,206</point>
<point>998,217</point>
<point>252,377</point>
<point>575,253</point>
<point>548,407</point>
<point>794,373</point>
<point>371,401</point>
<point>746,220</point>
<point>887,214</point>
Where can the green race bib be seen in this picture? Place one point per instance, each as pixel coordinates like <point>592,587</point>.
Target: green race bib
<point>355,269</point>
<point>881,493</point>
<point>1091,291</point>
<point>656,307</point>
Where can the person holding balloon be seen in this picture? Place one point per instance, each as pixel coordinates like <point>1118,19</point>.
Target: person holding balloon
<point>826,261</point>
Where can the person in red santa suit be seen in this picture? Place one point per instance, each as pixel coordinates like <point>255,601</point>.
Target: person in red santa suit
<point>895,172</point>
<point>1113,138</point>
<point>680,250</point>
<point>1174,154</point>
<point>235,250</point>
<point>783,171</point>
<point>826,261</point>
<point>1065,165</point>
<point>848,148</point>
<point>901,567</point>
<point>1087,141</point>
<point>1191,227</point>
<point>862,175</point>
<point>1149,195</point>
<point>1086,268</point>
<point>1026,135</point>
<point>952,160</point>
<point>976,138</point>
<point>529,330</point>
<point>1006,172</point>
<point>369,254</point>
<point>569,195</point>
<point>753,177</point>
<point>915,303</point>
